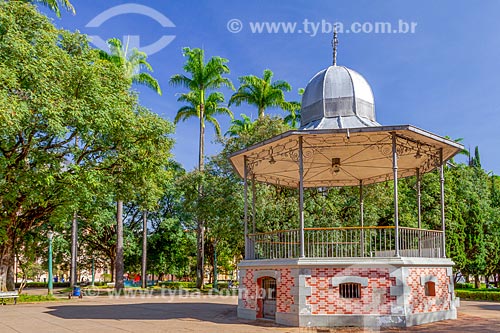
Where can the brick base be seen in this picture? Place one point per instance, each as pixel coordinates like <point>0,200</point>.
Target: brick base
<point>393,291</point>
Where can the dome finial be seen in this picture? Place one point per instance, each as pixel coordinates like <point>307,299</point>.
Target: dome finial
<point>335,42</point>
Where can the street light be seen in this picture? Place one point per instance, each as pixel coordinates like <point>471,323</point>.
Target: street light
<point>50,235</point>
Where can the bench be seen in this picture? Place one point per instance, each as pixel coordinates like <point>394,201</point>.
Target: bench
<point>9,294</point>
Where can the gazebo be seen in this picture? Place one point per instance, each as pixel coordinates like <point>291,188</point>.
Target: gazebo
<point>345,276</point>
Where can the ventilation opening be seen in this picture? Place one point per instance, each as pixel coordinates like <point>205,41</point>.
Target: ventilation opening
<point>350,290</point>
<point>430,289</point>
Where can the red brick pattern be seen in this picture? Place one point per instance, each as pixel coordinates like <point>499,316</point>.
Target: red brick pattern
<point>284,299</point>
<point>417,299</point>
<point>375,298</point>
<point>250,289</point>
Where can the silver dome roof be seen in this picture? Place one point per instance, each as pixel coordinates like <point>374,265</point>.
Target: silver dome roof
<point>337,97</point>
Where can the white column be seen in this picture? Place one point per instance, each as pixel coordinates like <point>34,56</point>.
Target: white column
<point>419,212</point>
<point>245,191</point>
<point>362,218</point>
<point>396,204</point>
<point>253,204</point>
<point>301,200</point>
<point>443,224</point>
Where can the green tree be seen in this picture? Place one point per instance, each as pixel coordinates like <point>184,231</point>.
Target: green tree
<point>172,243</point>
<point>239,126</point>
<point>54,5</point>
<point>293,116</point>
<point>212,109</point>
<point>475,161</point>
<point>262,93</point>
<point>473,200</point>
<point>202,78</point>
<point>131,64</point>
<point>171,248</point>
<point>55,88</point>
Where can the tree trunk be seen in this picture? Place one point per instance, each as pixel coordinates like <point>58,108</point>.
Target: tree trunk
<point>112,262</point>
<point>119,246</point>
<point>144,247</point>
<point>215,282</point>
<point>201,156</point>
<point>200,236</point>
<point>200,240</point>
<point>7,267</point>
<point>477,282</point>
<point>74,248</point>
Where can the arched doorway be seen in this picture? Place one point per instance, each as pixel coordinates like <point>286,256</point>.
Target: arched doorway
<point>267,298</point>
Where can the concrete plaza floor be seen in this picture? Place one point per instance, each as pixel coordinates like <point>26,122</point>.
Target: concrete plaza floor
<point>182,313</point>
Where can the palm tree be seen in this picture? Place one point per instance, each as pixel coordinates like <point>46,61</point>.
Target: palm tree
<point>132,62</point>
<point>54,5</point>
<point>463,152</point>
<point>212,108</point>
<point>262,92</point>
<point>239,126</point>
<point>203,77</point>
<point>293,118</point>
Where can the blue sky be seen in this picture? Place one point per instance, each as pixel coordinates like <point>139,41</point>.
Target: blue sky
<point>444,77</point>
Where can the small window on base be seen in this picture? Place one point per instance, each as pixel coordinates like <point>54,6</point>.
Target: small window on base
<point>430,288</point>
<point>350,290</point>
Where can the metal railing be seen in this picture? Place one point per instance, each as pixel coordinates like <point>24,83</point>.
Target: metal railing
<point>345,242</point>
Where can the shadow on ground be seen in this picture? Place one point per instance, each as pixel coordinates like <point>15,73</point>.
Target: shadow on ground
<point>490,307</point>
<point>226,314</point>
<point>216,313</point>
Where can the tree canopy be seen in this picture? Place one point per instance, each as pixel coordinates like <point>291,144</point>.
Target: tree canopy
<point>68,123</point>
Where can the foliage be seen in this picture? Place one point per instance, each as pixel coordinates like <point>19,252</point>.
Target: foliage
<point>240,126</point>
<point>293,116</point>
<point>54,5</point>
<point>68,125</point>
<point>74,138</point>
<point>203,77</point>
<point>262,93</point>
<point>44,285</point>
<point>132,62</point>
<point>24,298</point>
<point>212,108</point>
<point>479,295</point>
<point>177,284</point>
<point>171,248</point>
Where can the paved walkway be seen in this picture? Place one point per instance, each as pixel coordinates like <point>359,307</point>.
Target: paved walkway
<point>190,314</point>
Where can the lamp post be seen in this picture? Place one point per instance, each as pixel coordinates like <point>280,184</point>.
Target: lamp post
<point>50,235</point>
